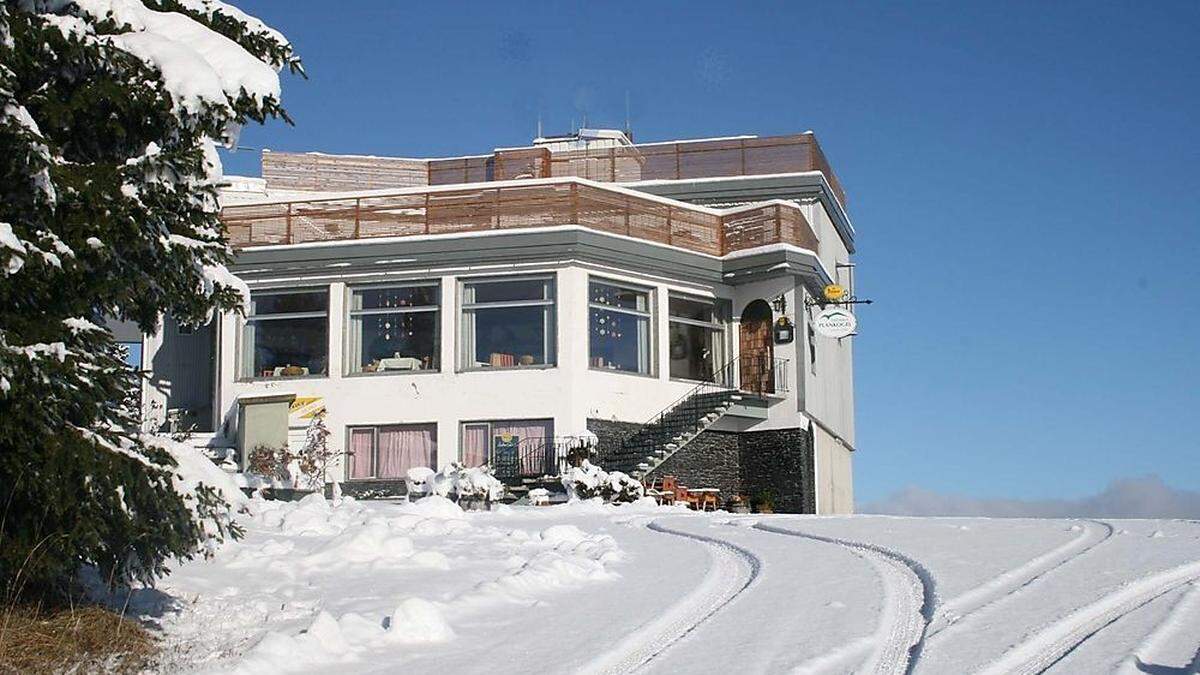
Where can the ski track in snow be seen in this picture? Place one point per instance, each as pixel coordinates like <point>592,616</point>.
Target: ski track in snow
<point>1051,643</point>
<point>734,570</point>
<point>908,606</point>
<point>1005,585</point>
<point>1180,624</point>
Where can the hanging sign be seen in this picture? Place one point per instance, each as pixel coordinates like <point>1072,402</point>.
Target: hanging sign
<point>834,292</point>
<point>835,322</point>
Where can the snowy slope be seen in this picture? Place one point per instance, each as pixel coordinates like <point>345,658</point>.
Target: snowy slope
<point>388,587</point>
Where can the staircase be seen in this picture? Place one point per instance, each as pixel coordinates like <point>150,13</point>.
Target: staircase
<point>678,424</point>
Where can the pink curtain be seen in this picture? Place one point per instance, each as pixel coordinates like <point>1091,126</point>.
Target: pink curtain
<point>534,435</point>
<point>475,444</point>
<point>362,443</point>
<point>404,448</point>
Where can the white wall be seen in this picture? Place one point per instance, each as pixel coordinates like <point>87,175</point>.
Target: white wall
<point>569,393</point>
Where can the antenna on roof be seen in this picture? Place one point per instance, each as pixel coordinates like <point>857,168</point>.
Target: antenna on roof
<point>539,127</point>
<point>628,126</point>
<point>584,120</point>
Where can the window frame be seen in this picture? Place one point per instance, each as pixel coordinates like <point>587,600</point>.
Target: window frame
<point>649,314</point>
<point>720,324</point>
<point>491,433</point>
<point>462,359</point>
<point>242,347</point>
<point>351,428</point>
<point>351,314</point>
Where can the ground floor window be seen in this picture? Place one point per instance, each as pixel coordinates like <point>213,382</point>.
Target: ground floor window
<point>698,345</point>
<point>390,451</point>
<point>619,328</point>
<point>510,447</point>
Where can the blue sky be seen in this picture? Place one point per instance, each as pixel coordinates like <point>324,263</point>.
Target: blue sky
<point>1025,180</point>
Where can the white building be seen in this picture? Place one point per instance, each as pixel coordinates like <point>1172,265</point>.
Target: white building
<point>492,308</point>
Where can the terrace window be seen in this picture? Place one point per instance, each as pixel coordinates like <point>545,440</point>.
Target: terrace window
<point>394,329</point>
<point>286,334</point>
<point>390,451</point>
<point>619,328</point>
<point>697,338</point>
<point>507,323</point>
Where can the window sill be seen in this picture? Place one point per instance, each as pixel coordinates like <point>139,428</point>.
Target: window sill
<point>507,369</point>
<point>615,371</point>
<point>283,378</point>
<point>393,373</point>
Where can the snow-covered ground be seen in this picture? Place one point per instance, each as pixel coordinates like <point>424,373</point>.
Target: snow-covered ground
<point>424,587</point>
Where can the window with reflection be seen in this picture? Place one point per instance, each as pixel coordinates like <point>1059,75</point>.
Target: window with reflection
<point>394,329</point>
<point>507,323</point>
<point>286,334</point>
<point>697,342</point>
<point>619,328</point>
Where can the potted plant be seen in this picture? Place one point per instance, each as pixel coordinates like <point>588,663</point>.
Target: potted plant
<point>764,502</point>
<point>739,504</point>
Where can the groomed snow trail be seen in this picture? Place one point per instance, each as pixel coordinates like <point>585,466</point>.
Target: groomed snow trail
<point>1093,534</point>
<point>733,570</point>
<point>1162,647</point>
<point>1044,648</point>
<point>907,607</point>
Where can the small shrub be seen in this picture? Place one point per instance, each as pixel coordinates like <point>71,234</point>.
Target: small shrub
<point>270,462</point>
<point>587,481</point>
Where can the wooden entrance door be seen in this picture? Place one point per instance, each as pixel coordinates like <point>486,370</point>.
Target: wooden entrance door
<point>756,361</point>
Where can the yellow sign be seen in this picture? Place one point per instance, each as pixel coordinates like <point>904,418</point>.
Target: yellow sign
<point>304,407</point>
<point>834,292</point>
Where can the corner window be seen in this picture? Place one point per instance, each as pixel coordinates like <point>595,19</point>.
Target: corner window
<point>286,334</point>
<point>618,328</point>
<point>394,329</point>
<point>507,323</point>
<point>697,338</point>
<point>390,451</point>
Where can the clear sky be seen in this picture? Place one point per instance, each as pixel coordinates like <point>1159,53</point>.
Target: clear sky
<point>1024,178</point>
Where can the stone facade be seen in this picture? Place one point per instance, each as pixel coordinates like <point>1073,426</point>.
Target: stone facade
<point>779,462</point>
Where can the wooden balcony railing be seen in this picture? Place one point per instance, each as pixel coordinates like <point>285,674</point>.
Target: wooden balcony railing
<point>539,203</point>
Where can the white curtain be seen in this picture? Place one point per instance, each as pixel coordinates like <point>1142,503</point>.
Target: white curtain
<point>476,442</point>
<point>406,447</point>
<point>362,445</point>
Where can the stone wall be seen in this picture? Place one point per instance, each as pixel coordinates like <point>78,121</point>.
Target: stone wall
<point>781,462</point>
<point>749,463</point>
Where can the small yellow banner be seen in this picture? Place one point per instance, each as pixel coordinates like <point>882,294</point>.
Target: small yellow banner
<point>304,407</point>
<point>834,292</point>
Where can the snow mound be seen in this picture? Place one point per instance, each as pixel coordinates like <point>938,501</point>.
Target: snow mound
<point>416,621</point>
<point>435,506</point>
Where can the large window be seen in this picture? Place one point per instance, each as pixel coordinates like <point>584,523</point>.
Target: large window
<point>394,329</point>
<point>697,340</point>
<point>286,334</point>
<point>507,323</point>
<point>390,451</point>
<point>618,328</point>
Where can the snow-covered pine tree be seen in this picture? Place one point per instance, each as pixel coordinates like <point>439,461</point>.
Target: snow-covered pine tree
<point>109,115</point>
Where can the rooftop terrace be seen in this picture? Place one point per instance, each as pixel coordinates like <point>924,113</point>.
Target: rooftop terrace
<point>527,203</point>
<point>602,162</point>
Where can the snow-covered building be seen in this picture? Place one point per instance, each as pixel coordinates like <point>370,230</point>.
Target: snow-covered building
<point>495,308</point>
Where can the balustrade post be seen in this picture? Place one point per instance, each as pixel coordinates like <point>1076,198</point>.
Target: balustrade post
<point>357,216</point>
<point>289,223</point>
<point>426,213</point>
<point>670,230</point>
